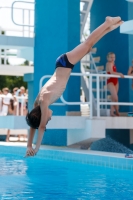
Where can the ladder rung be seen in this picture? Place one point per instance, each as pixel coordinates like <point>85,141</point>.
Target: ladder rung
<point>87,61</point>
<point>84,1</point>
<point>83,12</point>
<point>101,90</point>
<point>101,68</point>
<point>96,58</point>
<point>103,100</point>
<point>94,50</point>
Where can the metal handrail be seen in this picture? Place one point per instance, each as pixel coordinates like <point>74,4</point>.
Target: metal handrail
<point>64,102</point>
<point>90,91</point>
<point>24,26</point>
<point>109,103</point>
<point>12,16</point>
<point>93,62</point>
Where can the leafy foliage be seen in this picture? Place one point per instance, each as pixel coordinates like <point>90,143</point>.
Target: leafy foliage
<point>11,82</point>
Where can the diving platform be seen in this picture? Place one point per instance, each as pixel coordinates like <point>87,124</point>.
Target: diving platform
<point>24,45</point>
<point>127,27</point>
<point>14,42</point>
<point>119,122</point>
<point>10,70</point>
<point>79,128</point>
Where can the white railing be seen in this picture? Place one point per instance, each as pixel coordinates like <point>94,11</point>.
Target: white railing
<point>27,28</point>
<point>64,102</point>
<point>24,99</point>
<point>23,9</point>
<point>98,101</point>
<point>93,62</point>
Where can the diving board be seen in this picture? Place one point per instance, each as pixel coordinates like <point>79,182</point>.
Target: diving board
<point>78,128</point>
<point>118,122</point>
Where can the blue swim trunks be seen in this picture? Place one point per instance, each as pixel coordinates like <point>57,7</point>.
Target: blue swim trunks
<point>62,61</point>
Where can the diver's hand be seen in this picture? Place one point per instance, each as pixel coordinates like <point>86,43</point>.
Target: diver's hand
<point>36,150</point>
<point>30,152</point>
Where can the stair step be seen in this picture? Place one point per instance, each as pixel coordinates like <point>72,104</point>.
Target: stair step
<point>108,98</point>
<point>100,68</point>
<point>100,79</point>
<point>94,80</point>
<point>104,100</point>
<point>84,1</point>
<point>96,59</point>
<point>101,90</point>
<point>83,12</point>
<point>85,110</point>
<point>92,70</point>
<point>93,50</point>
<point>89,61</point>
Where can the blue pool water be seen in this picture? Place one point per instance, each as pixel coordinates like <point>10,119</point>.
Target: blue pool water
<point>36,178</point>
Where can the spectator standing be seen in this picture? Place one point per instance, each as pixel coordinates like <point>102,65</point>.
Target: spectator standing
<point>11,111</point>
<point>5,101</point>
<point>112,82</point>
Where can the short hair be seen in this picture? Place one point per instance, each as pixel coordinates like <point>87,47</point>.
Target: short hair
<point>110,53</point>
<point>5,89</point>
<point>33,118</point>
<point>22,88</point>
<point>15,89</point>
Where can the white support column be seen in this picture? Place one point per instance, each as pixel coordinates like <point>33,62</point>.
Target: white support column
<point>0,56</point>
<point>90,96</point>
<point>98,98</point>
<point>131,137</point>
<point>23,23</point>
<point>29,24</point>
<point>5,56</point>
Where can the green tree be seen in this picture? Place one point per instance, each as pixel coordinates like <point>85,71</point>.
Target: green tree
<point>11,82</point>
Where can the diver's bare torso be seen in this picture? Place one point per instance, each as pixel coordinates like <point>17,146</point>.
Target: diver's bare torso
<point>54,87</point>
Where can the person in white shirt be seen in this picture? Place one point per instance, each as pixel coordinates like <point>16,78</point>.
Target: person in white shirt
<point>6,97</point>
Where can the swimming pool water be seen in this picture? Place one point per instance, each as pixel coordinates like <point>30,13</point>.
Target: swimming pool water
<point>36,178</point>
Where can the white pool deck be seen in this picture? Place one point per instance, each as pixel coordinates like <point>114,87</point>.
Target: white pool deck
<point>95,158</point>
<point>66,149</point>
